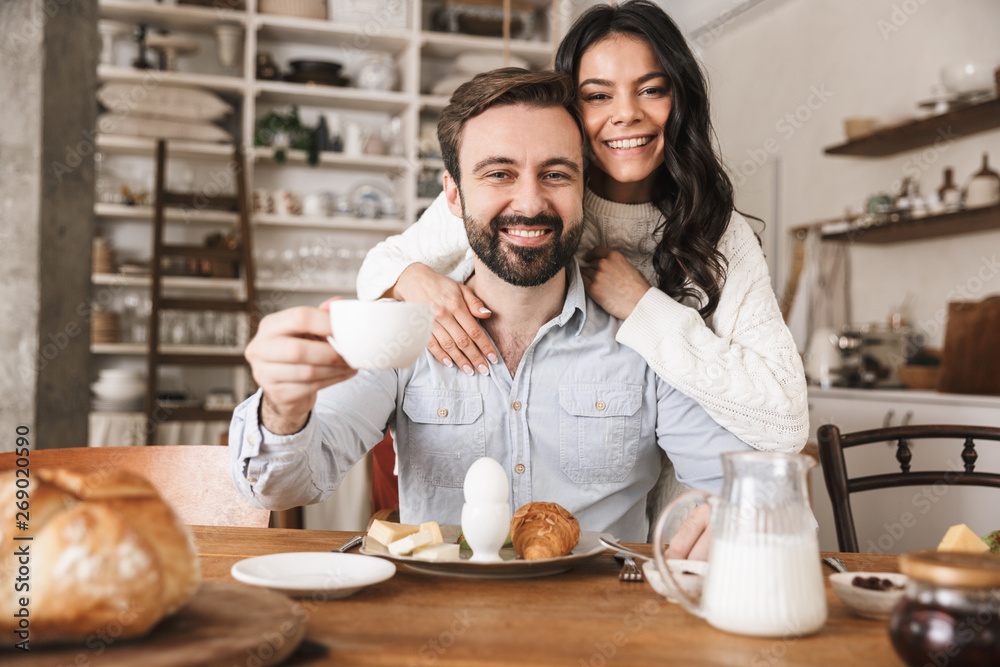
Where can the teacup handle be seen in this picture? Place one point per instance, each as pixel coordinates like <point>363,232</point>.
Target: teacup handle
<point>676,591</point>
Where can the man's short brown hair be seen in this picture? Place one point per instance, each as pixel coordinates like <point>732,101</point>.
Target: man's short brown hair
<point>508,85</point>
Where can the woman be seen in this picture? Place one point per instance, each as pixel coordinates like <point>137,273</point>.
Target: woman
<point>667,251</point>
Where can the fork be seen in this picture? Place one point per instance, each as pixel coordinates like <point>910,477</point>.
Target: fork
<point>348,545</point>
<point>630,571</point>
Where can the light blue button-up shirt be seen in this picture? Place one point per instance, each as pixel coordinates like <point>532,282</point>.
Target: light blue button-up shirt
<point>580,424</point>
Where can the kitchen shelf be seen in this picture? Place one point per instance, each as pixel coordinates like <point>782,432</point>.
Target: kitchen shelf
<point>273,28</point>
<point>141,349</point>
<point>173,17</point>
<point>185,414</point>
<point>378,163</point>
<point>948,224</point>
<point>107,211</point>
<point>125,145</point>
<point>169,282</point>
<point>431,163</point>
<point>434,102</point>
<point>216,82</point>
<point>354,99</point>
<point>386,225</point>
<point>305,288</point>
<point>449,45</point>
<point>943,127</point>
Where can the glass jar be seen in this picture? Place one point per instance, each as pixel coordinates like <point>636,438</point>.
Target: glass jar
<point>950,612</point>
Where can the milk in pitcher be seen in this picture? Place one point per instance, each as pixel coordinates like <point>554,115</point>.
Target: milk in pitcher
<point>765,585</point>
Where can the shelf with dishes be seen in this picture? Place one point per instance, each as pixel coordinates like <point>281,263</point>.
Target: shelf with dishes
<point>188,18</point>
<point>946,127</point>
<point>966,221</point>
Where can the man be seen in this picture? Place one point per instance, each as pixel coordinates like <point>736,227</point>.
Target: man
<point>571,415</point>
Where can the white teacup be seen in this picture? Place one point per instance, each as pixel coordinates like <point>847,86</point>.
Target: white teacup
<point>380,334</point>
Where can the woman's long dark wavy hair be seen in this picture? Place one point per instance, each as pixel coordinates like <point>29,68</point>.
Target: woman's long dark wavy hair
<point>696,195</point>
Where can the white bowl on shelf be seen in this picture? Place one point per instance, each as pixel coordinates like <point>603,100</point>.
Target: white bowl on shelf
<point>968,77</point>
<point>119,390</point>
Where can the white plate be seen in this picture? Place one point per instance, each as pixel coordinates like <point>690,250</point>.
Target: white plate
<point>308,573</point>
<point>513,567</point>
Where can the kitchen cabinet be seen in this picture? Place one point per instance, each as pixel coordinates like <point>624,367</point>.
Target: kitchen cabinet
<point>879,515</point>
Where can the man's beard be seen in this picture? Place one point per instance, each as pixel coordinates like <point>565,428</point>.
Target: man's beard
<point>519,265</point>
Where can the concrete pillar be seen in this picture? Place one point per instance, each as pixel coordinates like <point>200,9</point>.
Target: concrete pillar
<point>48,60</point>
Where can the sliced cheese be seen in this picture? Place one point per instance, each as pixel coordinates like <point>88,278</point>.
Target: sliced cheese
<point>961,538</point>
<point>406,545</point>
<point>438,552</point>
<point>387,532</point>
<point>435,531</point>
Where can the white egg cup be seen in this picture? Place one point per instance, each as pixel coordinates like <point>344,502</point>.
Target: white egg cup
<point>485,528</point>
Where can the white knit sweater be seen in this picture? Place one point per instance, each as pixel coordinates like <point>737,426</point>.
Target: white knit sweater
<point>741,365</point>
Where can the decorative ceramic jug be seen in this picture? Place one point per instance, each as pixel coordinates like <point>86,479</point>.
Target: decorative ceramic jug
<point>764,575</point>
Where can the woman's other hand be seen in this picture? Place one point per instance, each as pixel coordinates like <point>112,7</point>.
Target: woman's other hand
<point>693,539</point>
<point>613,282</point>
<point>457,337</point>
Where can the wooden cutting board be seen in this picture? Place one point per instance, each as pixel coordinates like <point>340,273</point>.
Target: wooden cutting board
<point>224,624</point>
<point>971,354</point>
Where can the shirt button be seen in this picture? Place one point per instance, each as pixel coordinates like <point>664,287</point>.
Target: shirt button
<point>519,468</point>
<point>251,479</point>
<point>600,405</point>
<point>516,405</point>
<point>442,412</point>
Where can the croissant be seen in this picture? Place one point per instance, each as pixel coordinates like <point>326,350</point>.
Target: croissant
<point>543,530</point>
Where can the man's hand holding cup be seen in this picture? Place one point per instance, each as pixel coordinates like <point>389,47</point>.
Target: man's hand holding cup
<point>301,350</point>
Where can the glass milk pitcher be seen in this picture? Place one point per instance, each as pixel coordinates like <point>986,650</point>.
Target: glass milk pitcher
<point>764,575</point>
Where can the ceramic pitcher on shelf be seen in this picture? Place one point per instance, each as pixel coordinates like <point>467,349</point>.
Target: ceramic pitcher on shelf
<point>764,575</point>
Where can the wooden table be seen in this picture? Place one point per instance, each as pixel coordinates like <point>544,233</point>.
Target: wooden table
<point>584,617</point>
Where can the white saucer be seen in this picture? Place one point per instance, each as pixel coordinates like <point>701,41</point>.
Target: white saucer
<point>321,574</point>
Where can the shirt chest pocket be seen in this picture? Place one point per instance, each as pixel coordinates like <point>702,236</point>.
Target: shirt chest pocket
<point>446,434</point>
<point>599,428</point>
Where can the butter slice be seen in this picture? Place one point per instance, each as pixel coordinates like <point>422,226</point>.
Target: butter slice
<point>387,532</point>
<point>961,538</point>
<point>406,545</point>
<point>435,531</point>
<point>439,552</point>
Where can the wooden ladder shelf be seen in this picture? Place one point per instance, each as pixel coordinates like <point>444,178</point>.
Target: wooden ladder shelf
<point>242,257</point>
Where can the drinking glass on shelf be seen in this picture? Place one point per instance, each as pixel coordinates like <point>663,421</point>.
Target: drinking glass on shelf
<point>140,323</point>
<point>194,328</point>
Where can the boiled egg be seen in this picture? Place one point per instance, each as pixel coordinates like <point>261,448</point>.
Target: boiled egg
<point>486,483</point>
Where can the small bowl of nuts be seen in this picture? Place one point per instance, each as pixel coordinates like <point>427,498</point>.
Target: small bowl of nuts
<point>869,594</point>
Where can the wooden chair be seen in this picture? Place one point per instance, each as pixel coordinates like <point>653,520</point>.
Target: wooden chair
<point>831,451</point>
<point>194,479</point>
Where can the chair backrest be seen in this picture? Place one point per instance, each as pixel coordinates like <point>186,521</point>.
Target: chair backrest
<point>194,479</point>
<point>832,444</point>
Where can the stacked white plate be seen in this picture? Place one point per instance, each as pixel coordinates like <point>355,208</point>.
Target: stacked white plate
<point>118,390</point>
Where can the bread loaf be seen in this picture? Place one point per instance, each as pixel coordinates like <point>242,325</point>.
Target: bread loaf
<point>108,555</point>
